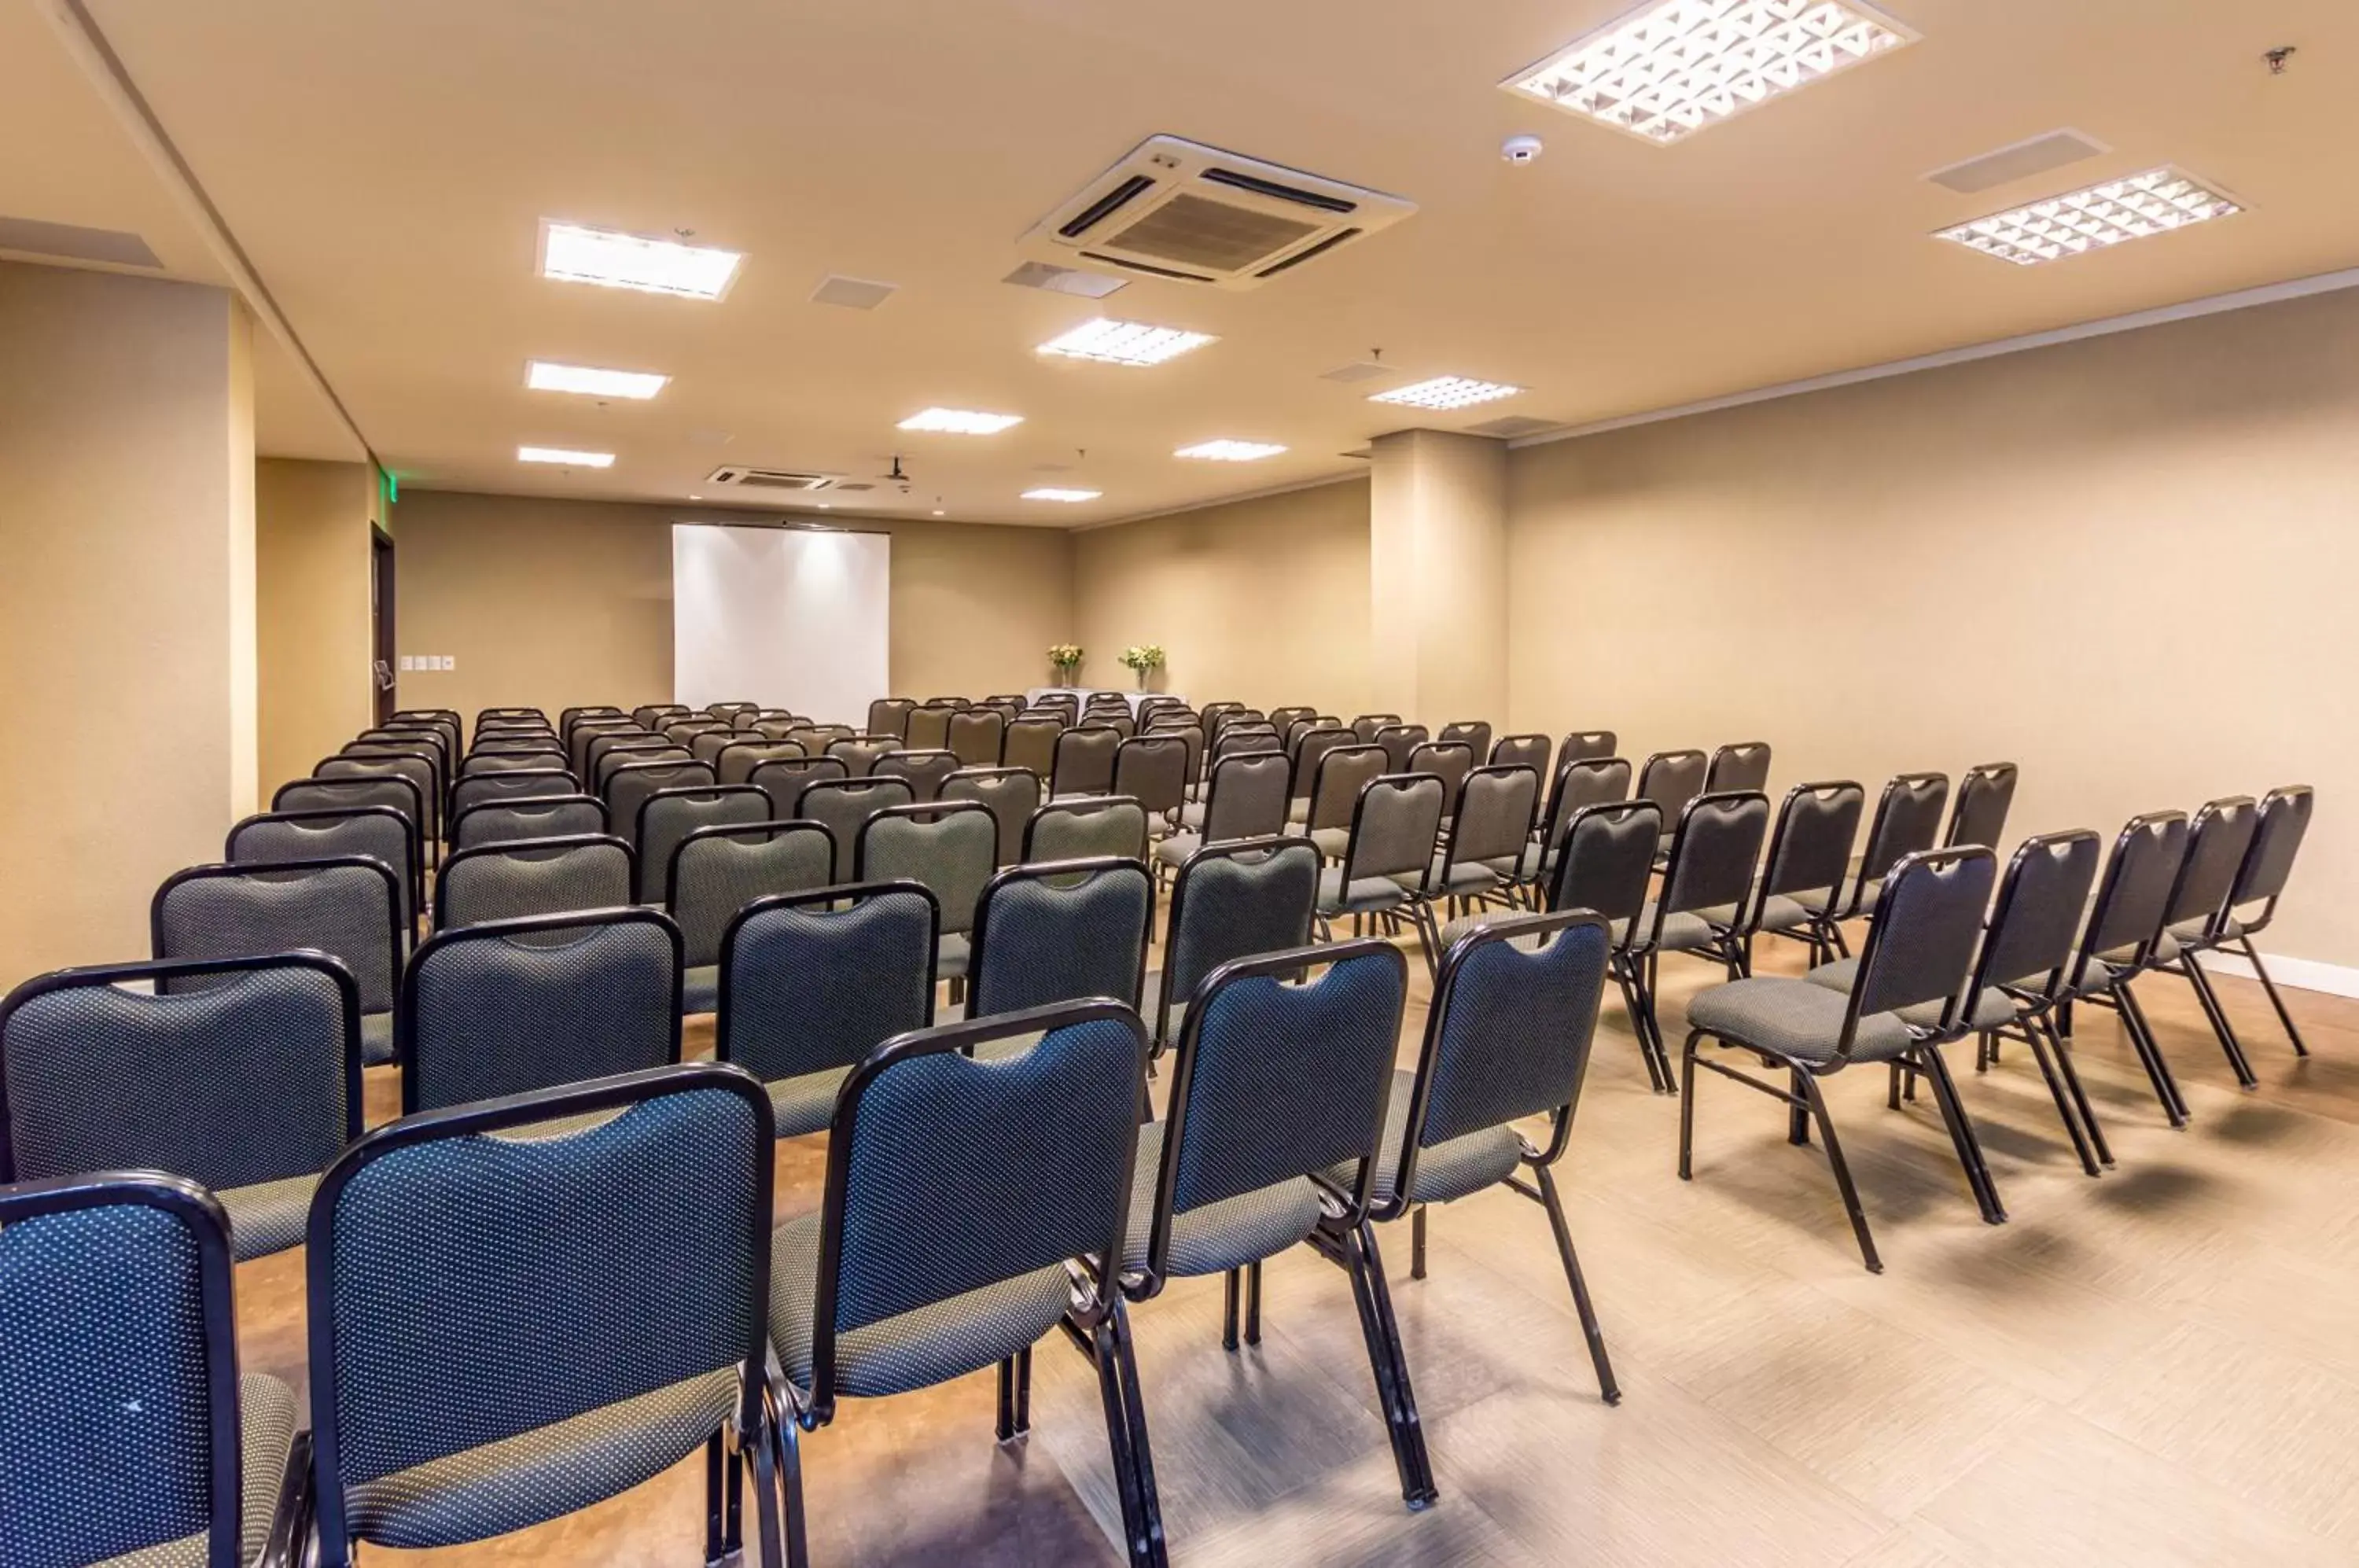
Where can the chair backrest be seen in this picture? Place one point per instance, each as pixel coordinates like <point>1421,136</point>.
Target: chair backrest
<point>1290,714</point>
<point>1581,745</point>
<point>541,877</point>
<point>949,847</point>
<point>1741,765</point>
<point>1494,811</point>
<point>1606,862</point>
<point>1714,851</point>
<point>1153,770</point>
<point>1344,771</point>
<point>1450,761</point>
<point>1810,850</point>
<point>1908,819</point>
<point>890,716</point>
<point>1078,830</point>
<point>844,806</point>
<point>1231,901</point>
<point>743,753</point>
<point>2127,918</point>
<point>379,832</point>
<point>419,760</point>
<point>348,906</point>
<point>115,1298</point>
<point>255,1078</point>
<point>1394,827</point>
<point>1013,794</point>
<point>1060,933</point>
<point>1308,747</point>
<point>817,980</point>
<point>687,732</point>
<point>1474,733</point>
<point>1183,727</point>
<point>1246,797</point>
<point>785,778</point>
<point>1278,1078</point>
<point>1400,742</point>
<point>2217,843</point>
<point>1985,792</point>
<point>600,743</point>
<point>1368,727</point>
<point>512,1005</point>
<point>2041,902</point>
<point>1584,781</point>
<point>517,759</point>
<point>859,753</point>
<point>515,821</point>
<point>925,771</point>
<point>665,755</point>
<point>479,1274</point>
<point>717,871</point>
<point>649,715</point>
<point>631,785</point>
<point>413,766</point>
<point>1235,739</point>
<point>974,736</point>
<point>1532,751</point>
<point>2285,819</point>
<point>1672,778</point>
<point>1031,742</point>
<point>927,727</point>
<point>947,1173</point>
<point>1921,944</point>
<point>708,747</point>
<point>1084,763</point>
<point>524,784</point>
<point>345,794</point>
<point>668,816</point>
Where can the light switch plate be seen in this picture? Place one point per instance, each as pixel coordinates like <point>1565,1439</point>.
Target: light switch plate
<point>410,662</point>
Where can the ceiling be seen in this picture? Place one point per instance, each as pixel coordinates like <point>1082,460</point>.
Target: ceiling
<point>385,163</point>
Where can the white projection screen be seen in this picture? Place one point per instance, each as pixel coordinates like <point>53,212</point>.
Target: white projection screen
<point>792,618</point>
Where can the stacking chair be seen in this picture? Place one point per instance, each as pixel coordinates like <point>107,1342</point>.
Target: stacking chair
<point>512,759</point>
<point>814,981</point>
<point>708,747</point>
<point>1743,765</point>
<point>661,755</point>
<point>1808,862</point>
<point>974,736</point>
<point>1308,747</point>
<point>1344,774</point>
<point>1671,780</point>
<point>1013,794</point>
<point>1400,742</point>
<point>520,1308</point>
<point>845,805</point>
<point>568,717</point>
<point>717,871</point>
<point>604,745</point>
<point>1368,727</point>
<point>668,816</point>
<point>1232,900</point>
<point>1908,819</point>
<point>507,881</point>
<point>2124,932</point>
<point>925,771</point>
<point>731,712</point>
<point>348,906</point>
<point>1153,770</point>
<point>515,821</point>
<point>2219,842</point>
<point>379,832</point>
<point>859,753</point>
<point>890,716</point>
<point>415,760</point>
<point>1084,761</point>
<point>1985,792</point>
<point>510,1006</point>
<point>131,1438</point>
<point>949,847</point>
<point>1532,751</point>
<point>785,778</point>
<point>443,720</point>
<point>650,715</point>
<point>1916,957</point>
<point>1580,783</point>
<point>1092,825</point>
<point>1450,761</point>
<point>407,737</point>
<point>414,766</point>
<point>1289,714</point>
<point>2260,880</point>
<point>1247,799</point>
<point>633,784</point>
<point>1582,746</point>
<point>1387,860</point>
<point>524,784</point>
<point>1190,736</point>
<point>688,731</point>
<point>250,1086</point>
<point>1506,1039</point>
<point>1475,734</point>
<point>971,1208</point>
<point>350,794</point>
<point>1277,1097</point>
<point>1707,884</point>
<point>927,727</point>
<point>587,731</point>
<point>1489,832</point>
<point>742,755</point>
<point>1060,931</point>
<point>1031,742</point>
<point>1604,866</point>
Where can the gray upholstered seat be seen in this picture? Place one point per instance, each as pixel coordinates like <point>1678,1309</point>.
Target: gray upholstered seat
<point>1229,1233</point>
<point>1331,841</point>
<point>1779,912</point>
<point>1683,931</point>
<point>1446,1171</point>
<point>1365,893</point>
<point>1466,878</point>
<point>1174,850</point>
<point>268,1216</point>
<point>805,1104</point>
<point>700,989</point>
<point>377,1039</point>
<point>1795,1020</point>
<point>1992,1006</point>
<point>952,955</point>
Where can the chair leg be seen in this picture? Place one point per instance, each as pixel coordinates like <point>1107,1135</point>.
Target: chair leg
<point>1962,1136</point>
<point>1687,1106</point>
<point>2071,1075</point>
<point>1366,1265</point>
<point>1608,1388</point>
<point>1134,1468</point>
<point>2158,1070</point>
<point>1416,1243</point>
<point>2218,1015</point>
<point>1798,1116</point>
<point>2261,972</point>
<point>1810,1086</point>
<point>1016,1396</point>
<point>2064,1108</point>
<point>1253,1303</point>
<point>767,1478</point>
<point>1642,1019</point>
<point>1231,1284</point>
<point>713,1551</point>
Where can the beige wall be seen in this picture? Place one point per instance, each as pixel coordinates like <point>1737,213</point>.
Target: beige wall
<point>127,622</point>
<point>2125,563</point>
<point>312,527</point>
<point>553,604</point>
<point>1438,577</point>
<point>1262,600</point>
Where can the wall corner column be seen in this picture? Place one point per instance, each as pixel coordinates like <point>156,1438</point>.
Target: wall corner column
<point>1438,577</point>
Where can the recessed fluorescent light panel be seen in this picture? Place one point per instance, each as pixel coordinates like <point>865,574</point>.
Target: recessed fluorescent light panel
<point>1054,492</point>
<point>1125,343</point>
<point>1446,392</point>
<point>1230,451</point>
<point>1671,70</point>
<point>560,455</point>
<point>2154,203</point>
<point>961,423</point>
<point>542,377</point>
<point>575,254</point>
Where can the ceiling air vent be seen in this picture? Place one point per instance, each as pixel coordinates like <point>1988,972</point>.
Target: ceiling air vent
<point>1514,426</point>
<point>741,477</point>
<point>2018,160</point>
<point>1180,210</point>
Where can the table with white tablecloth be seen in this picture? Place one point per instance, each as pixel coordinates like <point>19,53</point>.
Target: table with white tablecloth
<point>1081,695</point>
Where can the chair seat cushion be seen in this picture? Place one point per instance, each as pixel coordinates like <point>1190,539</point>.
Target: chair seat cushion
<point>1993,1007</point>
<point>377,1039</point>
<point>1332,841</point>
<point>1795,1019</point>
<point>1683,932</point>
<point>1220,1237</point>
<point>1467,877</point>
<point>1780,913</point>
<point>268,1216</point>
<point>1192,815</point>
<point>1618,930</point>
<point>1364,895</point>
<point>1174,850</point>
<point>951,952</point>
<point>806,1102</point>
<point>1445,1171</point>
<point>913,1349</point>
<point>700,990</point>
<point>2192,931</point>
<point>268,1410</point>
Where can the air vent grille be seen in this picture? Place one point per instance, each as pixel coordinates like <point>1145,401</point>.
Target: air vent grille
<point>739,476</point>
<point>2017,161</point>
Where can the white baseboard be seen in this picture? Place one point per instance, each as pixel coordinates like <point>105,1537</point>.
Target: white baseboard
<point>2302,973</point>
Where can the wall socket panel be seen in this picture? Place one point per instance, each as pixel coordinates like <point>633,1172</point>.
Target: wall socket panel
<point>415,662</point>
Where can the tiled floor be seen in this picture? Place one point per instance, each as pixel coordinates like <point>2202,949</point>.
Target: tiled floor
<point>2156,1366</point>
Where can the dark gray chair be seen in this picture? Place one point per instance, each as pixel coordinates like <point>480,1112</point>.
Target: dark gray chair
<point>1707,885</point>
<point>631,785</point>
<point>1232,900</point>
<point>890,716</point>
<point>1344,773</point>
<point>1400,742</point>
<point>1580,783</point>
<point>949,847</point>
<point>519,822</point>
<point>1012,795</point>
<point>925,771</point>
<point>347,794</point>
<point>1450,761</point>
<point>1031,742</point>
<point>1908,819</point>
<point>378,833</point>
<point>1387,860</point>
<point>1532,751</point>
<point>717,871</point>
<point>600,755</point>
<point>975,736</point>
<point>740,758</point>
<point>784,780</point>
<point>1741,765</point>
<point>1060,931</point>
<point>2253,900</point>
<point>1307,749</point>
<point>844,806</point>
<point>417,767</point>
<point>2219,842</point>
<point>1808,862</point>
<point>1489,831</point>
<point>524,784</point>
<point>1153,770</point>
<point>1475,734</point>
<point>1077,828</point>
<point>589,732</point>
<point>1671,780</point>
<point>1368,727</point>
<point>859,753</point>
<point>1247,799</point>
<point>668,816</point>
<point>1084,761</point>
<point>927,727</point>
<point>1582,746</point>
<point>1985,793</point>
<point>250,1086</point>
<point>520,1308</point>
<point>538,876</point>
<point>2124,932</point>
<point>650,714</point>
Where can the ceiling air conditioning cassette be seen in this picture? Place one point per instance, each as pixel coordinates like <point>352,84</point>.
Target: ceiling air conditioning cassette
<point>737,476</point>
<point>1180,210</point>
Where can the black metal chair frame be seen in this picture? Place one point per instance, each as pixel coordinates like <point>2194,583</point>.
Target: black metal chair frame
<point>530,846</point>
<point>834,900</point>
<point>413,873</point>
<point>1048,870</point>
<point>397,950</point>
<point>1627,957</point>
<point>1231,849</point>
<point>526,802</point>
<point>2116,994</point>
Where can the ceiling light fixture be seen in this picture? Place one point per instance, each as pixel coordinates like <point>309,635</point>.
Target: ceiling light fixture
<point>1230,451</point>
<point>1446,392</point>
<point>961,423</point>
<point>1052,493</point>
<point>1124,342</point>
<point>560,455</point>
<point>543,375</point>
<point>613,259</point>
<point>1680,65</point>
<point>2094,218</point>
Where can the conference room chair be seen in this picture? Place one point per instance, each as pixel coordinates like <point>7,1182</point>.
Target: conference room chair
<point>1808,864</point>
<point>415,768</point>
<point>2219,840</point>
<point>1671,780</point>
<point>2260,881</point>
<point>859,753</point>
<point>539,759</point>
<point>1400,743</point>
<point>348,906</point>
<point>1368,726</point>
<point>773,723</point>
<point>250,1086</point>
<point>1450,761</point>
<point>606,759</point>
<point>1474,733</point>
<point>748,750</point>
<point>730,710</point>
<point>131,1438</point>
<point>927,727</point>
<point>1060,931</point>
<point>1386,866</point>
<point>348,794</point>
<point>925,771</point>
<point>483,715</point>
<point>814,981</point>
<point>1279,1092</point>
<point>890,716</point>
<point>1153,770</point>
<point>958,1192</point>
<point>506,881</point>
<point>707,746</point>
<point>1287,716</point>
<point>1011,794</point>
<point>1581,745</point>
<point>844,806</point>
<point>1532,751</point>
<point>1606,867</point>
<point>534,817</point>
<point>577,745</point>
<point>1308,747</point>
<point>1063,703</point>
<point>504,1007</point>
<point>1155,706</point>
<point>379,832</point>
<point>1985,794</point>
<point>1342,775</point>
<point>1488,834</point>
<point>1077,829</point>
<point>446,720</point>
<point>668,816</point>
<point>1188,732</point>
<point>568,718</point>
<point>427,756</point>
<point>2119,941</point>
<point>515,743</point>
<point>1084,761</point>
<point>1247,799</point>
<point>1232,900</point>
<point>822,737</point>
<point>1919,953</point>
<point>525,784</point>
<point>1211,712</point>
<point>1008,704</point>
<point>410,737</point>
<point>688,731</point>
<point>1741,765</point>
<point>1707,880</point>
<point>717,871</point>
<point>632,784</point>
<point>1580,783</point>
<point>949,847</point>
<point>975,736</point>
<point>1031,742</point>
<point>785,779</point>
<point>650,715</point>
<point>1507,1041</point>
<point>1908,819</point>
<point>519,1309</point>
